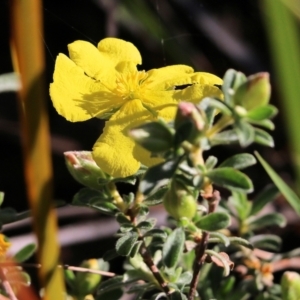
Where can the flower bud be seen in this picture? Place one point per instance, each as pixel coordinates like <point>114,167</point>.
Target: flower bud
<point>83,168</point>
<point>189,113</point>
<point>179,202</point>
<point>86,283</point>
<point>290,286</point>
<point>255,92</point>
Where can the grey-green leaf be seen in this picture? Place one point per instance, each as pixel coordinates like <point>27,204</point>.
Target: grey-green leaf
<point>158,176</point>
<point>126,243</point>
<point>211,162</point>
<point>245,133</point>
<point>173,248</point>
<point>272,219</point>
<point>262,112</point>
<point>156,137</point>
<point>214,221</point>
<point>269,193</point>
<point>239,161</point>
<point>25,253</point>
<point>231,179</point>
<point>240,241</point>
<point>262,137</point>
<point>270,242</point>
<point>225,137</point>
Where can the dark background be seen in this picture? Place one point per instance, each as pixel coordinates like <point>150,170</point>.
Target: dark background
<point>211,36</point>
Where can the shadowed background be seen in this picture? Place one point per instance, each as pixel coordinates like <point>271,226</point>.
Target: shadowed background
<point>211,36</point>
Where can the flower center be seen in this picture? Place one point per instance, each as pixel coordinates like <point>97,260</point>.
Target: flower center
<point>129,85</point>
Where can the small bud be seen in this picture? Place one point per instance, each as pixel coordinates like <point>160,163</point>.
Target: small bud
<point>83,168</point>
<point>179,202</point>
<point>255,92</point>
<point>86,283</point>
<point>290,286</point>
<point>188,113</point>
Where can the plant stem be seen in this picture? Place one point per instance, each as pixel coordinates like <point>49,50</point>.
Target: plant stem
<point>147,258</point>
<point>220,125</point>
<point>118,200</point>
<point>213,202</point>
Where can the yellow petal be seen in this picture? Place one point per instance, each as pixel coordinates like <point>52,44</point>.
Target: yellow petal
<point>114,151</point>
<point>90,59</point>
<point>144,156</point>
<point>76,96</point>
<point>118,50</point>
<point>67,91</point>
<point>168,77</point>
<point>155,98</point>
<point>196,92</point>
<point>206,78</point>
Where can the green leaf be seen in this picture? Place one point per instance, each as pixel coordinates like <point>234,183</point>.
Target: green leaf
<point>262,112</point>
<point>241,204</point>
<point>25,253</point>
<point>225,137</point>
<point>135,249</point>
<point>227,285</point>
<point>110,254</point>
<point>105,207</point>
<point>222,259</point>
<point>158,176</point>
<point>218,237</point>
<point>177,295</point>
<point>109,285</point>
<point>183,131</point>
<point>211,162</point>
<point>184,279</point>
<point>220,105</point>
<point>173,248</point>
<point>262,137</point>
<point>239,161</point>
<point>270,242</point>
<point>245,133</point>
<point>287,192</point>
<point>116,293</point>
<point>147,225</point>
<point>231,80</point>
<point>240,241</point>
<point>86,195</point>
<point>70,279</point>
<point>125,244</point>
<point>157,233</point>
<point>155,137</point>
<point>122,219</point>
<point>214,221</point>
<point>272,219</point>
<point>268,194</point>
<point>209,111</point>
<point>156,198</point>
<point>231,179</point>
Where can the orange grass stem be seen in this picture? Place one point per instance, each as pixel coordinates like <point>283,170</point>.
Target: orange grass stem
<point>28,59</point>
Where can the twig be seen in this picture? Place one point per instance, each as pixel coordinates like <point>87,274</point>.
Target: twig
<point>6,285</point>
<point>85,270</point>
<point>147,258</point>
<point>65,267</point>
<point>213,202</point>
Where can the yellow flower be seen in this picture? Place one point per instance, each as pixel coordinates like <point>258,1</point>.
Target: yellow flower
<point>104,82</point>
<point>4,245</point>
